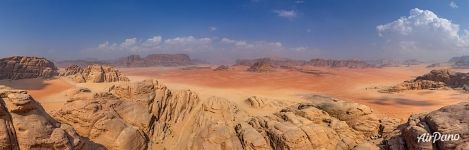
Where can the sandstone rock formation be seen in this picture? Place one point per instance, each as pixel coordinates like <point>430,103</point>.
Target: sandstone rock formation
<point>147,115</point>
<point>93,73</point>
<point>222,68</point>
<point>449,120</point>
<point>436,79</point>
<point>154,60</point>
<point>23,67</point>
<point>130,116</point>
<point>256,102</point>
<point>264,65</point>
<point>25,125</point>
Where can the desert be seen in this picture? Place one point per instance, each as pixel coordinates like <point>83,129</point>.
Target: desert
<point>234,75</point>
<point>267,105</point>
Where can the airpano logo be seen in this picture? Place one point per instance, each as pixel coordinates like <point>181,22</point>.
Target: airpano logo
<point>437,136</point>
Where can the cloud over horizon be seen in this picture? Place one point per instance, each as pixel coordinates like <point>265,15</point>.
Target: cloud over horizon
<point>212,49</point>
<point>424,35</point>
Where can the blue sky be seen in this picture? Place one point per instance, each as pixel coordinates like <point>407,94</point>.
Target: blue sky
<point>224,30</point>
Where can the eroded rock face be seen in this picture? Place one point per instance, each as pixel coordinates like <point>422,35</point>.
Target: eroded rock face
<point>93,73</point>
<point>129,116</point>
<point>436,79</point>
<point>222,68</point>
<point>23,67</point>
<point>25,125</point>
<point>256,102</point>
<point>147,115</point>
<point>263,65</point>
<point>447,120</point>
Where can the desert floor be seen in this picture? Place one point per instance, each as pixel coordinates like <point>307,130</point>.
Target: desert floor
<point>357,85</point>
<point>283,87</point>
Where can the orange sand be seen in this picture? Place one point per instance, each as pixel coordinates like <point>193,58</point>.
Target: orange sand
<point>356,85</point>
<point>42,90</point>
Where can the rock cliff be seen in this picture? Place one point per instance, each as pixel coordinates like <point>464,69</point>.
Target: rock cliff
<point>93,73</point>
<point>23,67</point>
<point>436,79</point>
<point>25,125</point>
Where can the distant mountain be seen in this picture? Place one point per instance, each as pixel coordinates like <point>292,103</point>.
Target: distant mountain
<point>459,62</point>
<point>286,63</point>
<point>154,60</point>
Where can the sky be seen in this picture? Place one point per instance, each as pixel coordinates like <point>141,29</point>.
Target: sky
<point>225,30</point>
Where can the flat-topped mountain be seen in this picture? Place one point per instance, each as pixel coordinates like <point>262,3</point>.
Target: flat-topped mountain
<point>24,67</point>
<point>154,60</point>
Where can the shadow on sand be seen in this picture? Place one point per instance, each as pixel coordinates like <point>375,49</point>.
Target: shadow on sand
<point>400,101</point>
<point>25,84</point>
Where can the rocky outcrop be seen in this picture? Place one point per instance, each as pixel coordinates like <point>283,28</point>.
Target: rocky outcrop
<point>264,65</point>
<point>93,73</point>
<point>23,67</point>
<point>147,115</point>
<point>436,79</point>
<point>25,125</point>
<point>451,121</point>
<point>256,102</point>
<point>154,60</point>
<point>222,68</point>
<point>414,85</point>
<point>321,123</point>
<point>129,116</point>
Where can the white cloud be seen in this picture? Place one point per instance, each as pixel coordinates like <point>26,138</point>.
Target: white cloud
<point>290,14</point>
<point>452,4</point>
<point>212,28</point>
<point>423,34</point>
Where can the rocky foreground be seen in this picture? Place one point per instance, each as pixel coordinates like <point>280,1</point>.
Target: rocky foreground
<point>25,125</point>
<point>148,115</point>
<point>23,67</point>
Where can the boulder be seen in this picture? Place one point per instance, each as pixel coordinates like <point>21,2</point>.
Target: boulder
<point>23,67</point>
